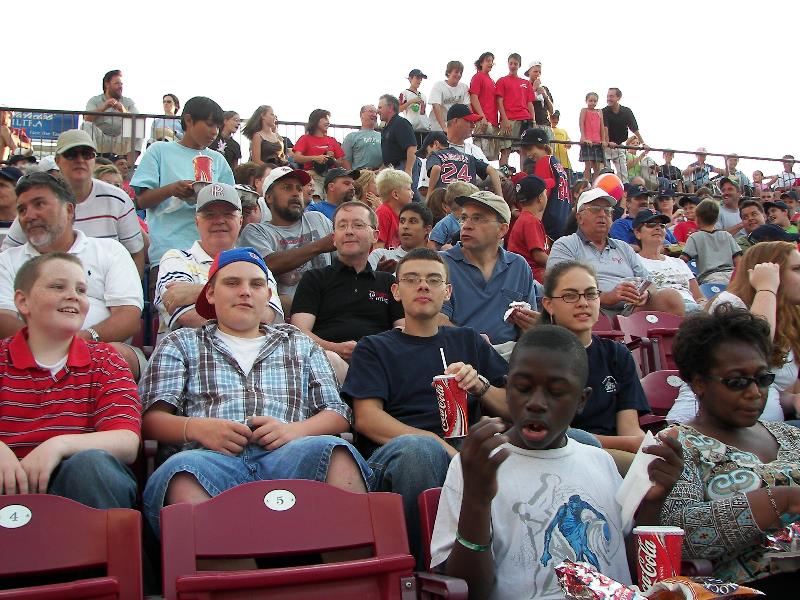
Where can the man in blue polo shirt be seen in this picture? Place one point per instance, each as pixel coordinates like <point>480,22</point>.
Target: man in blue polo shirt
<point>622,228</point>
<point>486,278</point>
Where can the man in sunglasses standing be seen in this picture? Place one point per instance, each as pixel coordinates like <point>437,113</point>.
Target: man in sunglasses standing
<point>389,387</point>
<point>486,279</point>
<point>620,271</point>
<point>102,210</point>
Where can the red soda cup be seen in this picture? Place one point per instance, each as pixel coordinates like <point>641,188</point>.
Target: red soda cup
<point>452,401</point>
<point>658,553</point>
<point>202,167</point>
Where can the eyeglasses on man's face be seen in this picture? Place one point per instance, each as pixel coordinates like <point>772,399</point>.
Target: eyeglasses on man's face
<point>355,226</point>
<point>433,281</point>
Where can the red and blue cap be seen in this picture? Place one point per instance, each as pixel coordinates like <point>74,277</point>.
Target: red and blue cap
<point>246,254</point>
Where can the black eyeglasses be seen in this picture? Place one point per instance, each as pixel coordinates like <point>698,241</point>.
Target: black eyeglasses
<point>737,384</point>
<point>84,153</point>
<point>573,297</point>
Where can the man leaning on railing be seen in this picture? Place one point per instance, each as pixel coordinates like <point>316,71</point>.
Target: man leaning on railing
<point>113,135</point>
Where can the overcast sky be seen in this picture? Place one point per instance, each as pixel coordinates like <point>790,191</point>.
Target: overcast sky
<point>707,73</point>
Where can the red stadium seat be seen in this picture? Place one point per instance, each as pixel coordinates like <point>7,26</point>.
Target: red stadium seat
<point>651,333</point>
<point>661,389</point>
<point>268,519</point>
<point>61,540</point>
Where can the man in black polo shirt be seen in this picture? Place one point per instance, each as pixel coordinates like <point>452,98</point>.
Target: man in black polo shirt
<point>338,305</point>
<point>398,143</point>
<point>618,120</point>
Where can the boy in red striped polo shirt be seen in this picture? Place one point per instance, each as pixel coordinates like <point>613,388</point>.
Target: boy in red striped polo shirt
<point>70,414</point>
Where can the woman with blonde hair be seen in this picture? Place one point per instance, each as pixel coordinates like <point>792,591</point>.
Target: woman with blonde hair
<point>266,144</point>
<point>366,189</point>
<point>767,283</point>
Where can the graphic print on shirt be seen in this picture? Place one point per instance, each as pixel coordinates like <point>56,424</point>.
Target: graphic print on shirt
<point>563,524</point>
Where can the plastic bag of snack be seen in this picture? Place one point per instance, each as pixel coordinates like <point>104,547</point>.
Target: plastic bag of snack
<point>699,588</point>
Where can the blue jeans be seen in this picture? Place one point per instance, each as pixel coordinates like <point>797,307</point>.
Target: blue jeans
<point>96,479</point>
<point>408,465</point>
<point>303,458</point>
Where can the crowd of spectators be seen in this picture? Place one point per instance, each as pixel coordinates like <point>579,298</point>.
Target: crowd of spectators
<point>316,289</point>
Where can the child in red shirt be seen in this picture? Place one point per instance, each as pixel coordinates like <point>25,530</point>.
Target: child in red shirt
<point>528,238</point>
<point>81,420</point>
<point>684,229</point>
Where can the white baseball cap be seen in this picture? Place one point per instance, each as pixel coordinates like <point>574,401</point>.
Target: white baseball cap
<point>594,194</point>
<point>280,173</point>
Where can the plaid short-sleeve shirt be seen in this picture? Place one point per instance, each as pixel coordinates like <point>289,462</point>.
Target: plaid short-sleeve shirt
<point>194,371</point>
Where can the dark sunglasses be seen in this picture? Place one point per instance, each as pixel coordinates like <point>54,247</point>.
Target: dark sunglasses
<point>84,153</point>
<point>737,384</point>
<point>654,224</point>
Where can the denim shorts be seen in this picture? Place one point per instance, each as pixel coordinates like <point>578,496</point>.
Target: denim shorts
<point>303,458</point>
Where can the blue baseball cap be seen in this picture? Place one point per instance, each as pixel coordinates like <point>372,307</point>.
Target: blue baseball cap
<point>246,254</point>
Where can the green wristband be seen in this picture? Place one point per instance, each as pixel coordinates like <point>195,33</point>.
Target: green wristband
<point>471,546</point>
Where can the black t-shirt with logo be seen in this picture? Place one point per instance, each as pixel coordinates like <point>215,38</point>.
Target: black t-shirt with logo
<point>456,166</point>
<point>615,387</point>
<point>229,148</point>
<point>347,305</point>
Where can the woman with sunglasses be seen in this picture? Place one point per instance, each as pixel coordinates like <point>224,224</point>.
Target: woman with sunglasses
<point>572,300</point>
<point>167,128</point>
<point>767,282</point>
<point>741,475</point>
<point>650,229</point>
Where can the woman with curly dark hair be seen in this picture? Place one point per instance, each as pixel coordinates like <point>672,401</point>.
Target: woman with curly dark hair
<point>741,475</point>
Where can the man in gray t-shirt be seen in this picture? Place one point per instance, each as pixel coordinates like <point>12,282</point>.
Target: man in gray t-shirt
<point>729,218</point>
<point>116,135</point>
<point>294,241</point>
<point>362,148</point>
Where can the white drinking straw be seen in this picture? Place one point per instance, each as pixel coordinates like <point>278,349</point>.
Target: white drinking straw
<point>444,361</point>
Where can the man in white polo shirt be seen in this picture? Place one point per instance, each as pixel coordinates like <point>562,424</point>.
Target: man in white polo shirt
<point>46,213</point>
<point>183,273</point>
<point>102,210</point>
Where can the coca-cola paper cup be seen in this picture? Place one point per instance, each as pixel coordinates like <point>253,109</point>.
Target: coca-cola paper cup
<point>658,553</point>
<point>202,167</point>
<point>452,401</point>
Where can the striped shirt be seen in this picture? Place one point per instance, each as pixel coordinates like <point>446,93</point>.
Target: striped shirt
<point>94,391</point>
<point>192,266</point>
<point>108,212</point>
<point>194,371</point>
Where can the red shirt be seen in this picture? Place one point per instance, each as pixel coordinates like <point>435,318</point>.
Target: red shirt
<point>94,392</point>
<point>388,226</point>
<point>314,145</point>
<point>683,230</point>
<point>484,88</point>
<point>529,235</point>
<point>516,93</point>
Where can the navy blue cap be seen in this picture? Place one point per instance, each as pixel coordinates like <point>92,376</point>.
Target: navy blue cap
<point>637,190</point>
<point>11,174</point>
<point>534,136</point>
<point>790,194</point>
<point>689,200</point>
<point>648,216</point>
<point>529,188</point>
<point>776,204</point>
<point>772,233</point>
